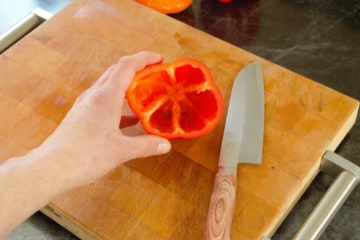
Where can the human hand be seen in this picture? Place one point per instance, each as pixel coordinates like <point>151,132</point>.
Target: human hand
<point>88,143</point>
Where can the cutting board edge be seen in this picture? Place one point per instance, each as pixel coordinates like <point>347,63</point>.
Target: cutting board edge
<point>347,126</point>
<point>271,230</point>
<point>341,134</point>
<point>56,214</point>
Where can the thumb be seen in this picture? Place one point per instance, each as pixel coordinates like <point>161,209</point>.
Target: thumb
<point>148,145</point>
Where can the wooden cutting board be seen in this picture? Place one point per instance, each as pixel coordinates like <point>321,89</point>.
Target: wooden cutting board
<point>164,197</point>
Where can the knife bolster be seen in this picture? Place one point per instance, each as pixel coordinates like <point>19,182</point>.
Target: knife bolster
<point>230,170</point>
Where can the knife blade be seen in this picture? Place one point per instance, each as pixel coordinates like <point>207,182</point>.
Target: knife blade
<point>242,142</point>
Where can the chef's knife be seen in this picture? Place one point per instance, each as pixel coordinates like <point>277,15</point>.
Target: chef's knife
<point>242,142</point>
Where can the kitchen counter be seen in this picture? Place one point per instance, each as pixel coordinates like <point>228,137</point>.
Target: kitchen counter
<point>317,39</point>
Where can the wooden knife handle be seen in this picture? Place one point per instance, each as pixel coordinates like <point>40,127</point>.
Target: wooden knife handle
<point>221,207</point>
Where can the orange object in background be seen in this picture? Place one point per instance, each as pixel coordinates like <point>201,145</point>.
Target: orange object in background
<point>176,100</point>
<point>167,7</point>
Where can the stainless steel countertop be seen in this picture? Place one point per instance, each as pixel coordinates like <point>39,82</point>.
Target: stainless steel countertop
<point>318,39</point>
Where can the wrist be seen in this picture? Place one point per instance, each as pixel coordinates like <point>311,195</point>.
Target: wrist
<point>56,176</point>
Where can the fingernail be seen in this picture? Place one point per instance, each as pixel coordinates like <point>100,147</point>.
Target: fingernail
<point>163,148</point>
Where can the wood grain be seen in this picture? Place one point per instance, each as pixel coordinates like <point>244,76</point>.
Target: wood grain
<point>221,208</point>
<point>164,197</point>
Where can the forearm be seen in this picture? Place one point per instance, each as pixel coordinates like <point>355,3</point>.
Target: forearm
<point>27,184</point>
<point>85,146</point>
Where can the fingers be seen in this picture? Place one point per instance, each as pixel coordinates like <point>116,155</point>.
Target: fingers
<point>121,77</point>
<point>116,79</point>
<point>104,77</point>
<point>147,145</point>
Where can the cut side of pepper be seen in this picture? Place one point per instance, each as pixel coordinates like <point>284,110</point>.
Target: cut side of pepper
<point>176,100</point>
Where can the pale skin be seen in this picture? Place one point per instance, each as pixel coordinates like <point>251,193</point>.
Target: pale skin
<point>83,148</point>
